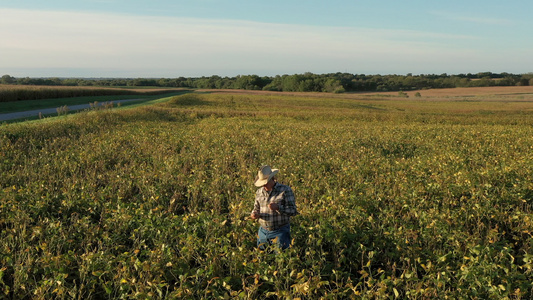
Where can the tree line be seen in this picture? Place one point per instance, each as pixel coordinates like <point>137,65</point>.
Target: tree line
<point>307,82</point>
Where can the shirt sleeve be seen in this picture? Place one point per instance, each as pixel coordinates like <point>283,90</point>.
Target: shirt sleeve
<point>289,208</point>
<point>257,206</point>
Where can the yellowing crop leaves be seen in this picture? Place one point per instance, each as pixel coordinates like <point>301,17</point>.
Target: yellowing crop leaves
<point>391,200</point>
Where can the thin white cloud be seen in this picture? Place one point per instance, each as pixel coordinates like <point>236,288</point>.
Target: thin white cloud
<point>472,19</point>
<point>188,46</point>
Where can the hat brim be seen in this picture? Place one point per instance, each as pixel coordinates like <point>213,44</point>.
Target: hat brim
<point>260,182</point>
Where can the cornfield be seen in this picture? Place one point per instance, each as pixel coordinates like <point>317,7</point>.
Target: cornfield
<point>10,93</point>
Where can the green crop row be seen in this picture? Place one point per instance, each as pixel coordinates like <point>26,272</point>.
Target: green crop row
<point>395,201</point>
<point>11,93</point>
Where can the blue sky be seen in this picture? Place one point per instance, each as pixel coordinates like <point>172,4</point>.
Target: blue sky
<point>163,38</point>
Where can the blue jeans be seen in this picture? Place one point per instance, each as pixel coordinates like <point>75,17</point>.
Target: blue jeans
<point>266,237</point>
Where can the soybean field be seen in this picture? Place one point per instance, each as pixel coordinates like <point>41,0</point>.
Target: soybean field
<point>400,196</point>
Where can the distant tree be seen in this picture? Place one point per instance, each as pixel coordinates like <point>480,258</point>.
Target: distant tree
<point>403,94</point>
<point>484,82</point>
<point>333,85</point>
<point>54,81</point>
<point>307,85</point>
<point>6,79</point>
<point>205,82</point>
<point>523,82</point>
<point>484,75</point>
<point>339,90</point>
<point>70,82</point>
<point>463,82</point>
<point>144,82</point>
<point>291,83</point>
<point>274,85</point>
<point>249,82</point>
<point>164,82</point>
<point>306,82</point>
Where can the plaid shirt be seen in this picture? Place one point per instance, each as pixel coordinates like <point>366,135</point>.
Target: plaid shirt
<point>284,197</point>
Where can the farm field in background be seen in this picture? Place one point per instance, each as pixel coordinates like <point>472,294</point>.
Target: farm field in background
<point>513,93</point>
<point>417,197</point>
<point>12,93</point>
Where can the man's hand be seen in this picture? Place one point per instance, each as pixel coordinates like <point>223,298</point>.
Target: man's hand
<point>254,215</point>
<point>273,206</point>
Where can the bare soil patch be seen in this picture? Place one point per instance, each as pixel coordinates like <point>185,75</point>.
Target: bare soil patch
<point>509,93</point>
<point>477,91</point>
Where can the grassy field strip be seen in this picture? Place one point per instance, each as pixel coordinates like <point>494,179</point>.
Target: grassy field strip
<point>25,110</point>
<point>50,111</point>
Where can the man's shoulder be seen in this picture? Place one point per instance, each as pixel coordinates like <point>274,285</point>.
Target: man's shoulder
<point>282,187</point>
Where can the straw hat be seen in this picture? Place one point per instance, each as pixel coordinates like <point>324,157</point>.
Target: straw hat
<point>264,175</point>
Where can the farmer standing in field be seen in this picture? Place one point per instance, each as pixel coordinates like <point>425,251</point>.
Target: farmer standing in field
<point>274,205</point>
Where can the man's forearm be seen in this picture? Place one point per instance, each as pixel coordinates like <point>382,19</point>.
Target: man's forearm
<point>289,209</point>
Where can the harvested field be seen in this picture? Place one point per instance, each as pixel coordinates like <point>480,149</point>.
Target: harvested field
<point>514,93</point>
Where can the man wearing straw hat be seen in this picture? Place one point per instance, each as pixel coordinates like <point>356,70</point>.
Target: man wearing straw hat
<point>274,205</point>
